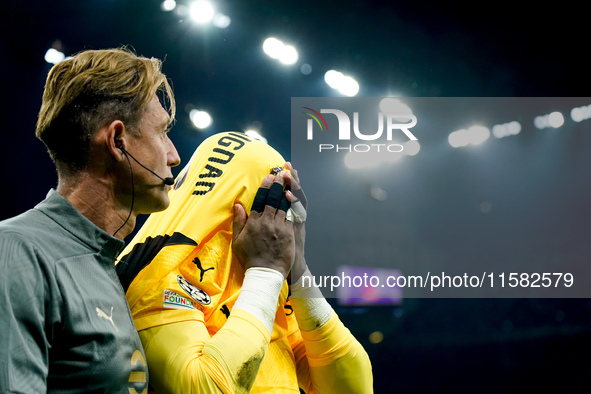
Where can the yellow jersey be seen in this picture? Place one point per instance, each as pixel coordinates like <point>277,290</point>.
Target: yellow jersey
<point>182,279</point>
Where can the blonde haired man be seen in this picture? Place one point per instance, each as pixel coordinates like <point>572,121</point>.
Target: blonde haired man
<point>65,324</point>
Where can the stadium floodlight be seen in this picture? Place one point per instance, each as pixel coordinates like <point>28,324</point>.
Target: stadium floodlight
<point>541,122</point>
<point>478,134</point>
<point>349,86</point>
<point>475,135</point>
<point>580,114</point>
<point>54,56</point>
<point>277,49</point>
<point>506,129</point>
<point>289,55</point>
<point>556,119</point>
<point>459,138</point>
<point>200,119</point>
<point>168,5</point>
<point>273,47</point>
<point>333,78</point>
<point>345,84</point>
<point>201,12</point>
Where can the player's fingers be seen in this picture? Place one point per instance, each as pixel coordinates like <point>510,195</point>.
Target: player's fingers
<point>292,171</point>
<point>260,198</point>
<point>275,194</point>
<point>238,221</point>
<point>284,204</point>
<point>293,183</point>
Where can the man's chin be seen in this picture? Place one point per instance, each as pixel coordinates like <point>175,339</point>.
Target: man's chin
<point>157,206</point>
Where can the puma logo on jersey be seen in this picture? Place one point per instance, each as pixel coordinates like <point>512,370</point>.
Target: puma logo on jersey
<point>288,309</point>
<point>225,310</point>
<point>101,313</point>
<point>197,262</point>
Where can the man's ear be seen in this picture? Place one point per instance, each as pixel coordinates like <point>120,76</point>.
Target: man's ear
<point>115,135</point>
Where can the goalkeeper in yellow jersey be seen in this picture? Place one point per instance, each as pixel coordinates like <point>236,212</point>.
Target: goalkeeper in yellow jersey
<point>213,314</point>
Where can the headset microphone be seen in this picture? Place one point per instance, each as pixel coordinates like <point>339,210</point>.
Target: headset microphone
<point>167,181</point>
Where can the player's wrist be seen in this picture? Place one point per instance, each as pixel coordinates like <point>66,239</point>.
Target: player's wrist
<point>259,294</point>
<point>270,263</point>
<point>310,307</point>
<point>297,271</point>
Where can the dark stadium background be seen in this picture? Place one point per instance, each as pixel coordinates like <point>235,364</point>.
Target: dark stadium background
<point>412,49</point>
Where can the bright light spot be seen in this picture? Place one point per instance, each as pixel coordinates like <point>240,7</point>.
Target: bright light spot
<point>514,128</point>
<point>376,337</point>
<point>200,119</point>
<point>333,78</point>
<point>581,113</point>
<point>555,119</point>
<point>255,134</point>
<point>500,131</point>
<point>276,49</point>
<point>306,69</point>
<point>411,147</point>
<point>506,129</point>
<point>349,87</point>
<point>273,47</point>
<point>168,5</point>
<point>459,138</point>
<point>222,21</point>
<point>478,134</point>
<point>541,122</point>
<point>475,135</point>
<point>54,56</point>
<point>201,12</point>
<point>343,83</point>
<point>288,55</point>
<point>577,115</point>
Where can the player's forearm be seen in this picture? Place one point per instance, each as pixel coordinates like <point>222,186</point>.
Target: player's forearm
<point>337,361</point>
<point>310,307</point>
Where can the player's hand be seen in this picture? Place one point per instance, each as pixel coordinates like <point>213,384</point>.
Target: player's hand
<point>264,239</point>
<point>299,204</point>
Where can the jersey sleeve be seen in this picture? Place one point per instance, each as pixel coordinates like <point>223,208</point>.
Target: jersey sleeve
<point>184,358</point>
<point>330,359</point>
